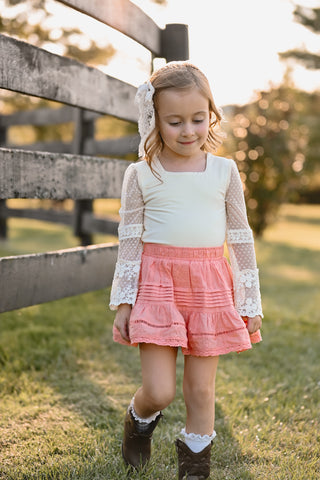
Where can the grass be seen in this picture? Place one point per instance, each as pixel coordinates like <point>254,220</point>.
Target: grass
<point>32,236</point>
<point>64,385</point>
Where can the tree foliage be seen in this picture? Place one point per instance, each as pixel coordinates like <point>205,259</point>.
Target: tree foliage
<point>288,168</point>
<point>35,23</point>
<point>274,141</point>
<point>310,18</point>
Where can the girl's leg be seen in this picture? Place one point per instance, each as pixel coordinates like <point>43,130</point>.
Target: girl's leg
<point>158,389</point>
<point>199,393</point>
<point>158,367</point>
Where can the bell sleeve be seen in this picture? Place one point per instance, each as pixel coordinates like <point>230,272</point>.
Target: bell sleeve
<point>241,250</point>
<point>126,276</point>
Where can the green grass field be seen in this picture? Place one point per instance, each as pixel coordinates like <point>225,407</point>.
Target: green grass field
<point>64,385</point>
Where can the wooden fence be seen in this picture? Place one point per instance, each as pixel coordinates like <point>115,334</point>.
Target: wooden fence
<point>70,171</point>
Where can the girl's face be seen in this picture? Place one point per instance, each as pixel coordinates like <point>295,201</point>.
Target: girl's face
<point>183,121</point>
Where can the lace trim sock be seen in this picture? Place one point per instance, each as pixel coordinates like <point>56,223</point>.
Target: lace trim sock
<point>143,422</point>
<point>197,442</point>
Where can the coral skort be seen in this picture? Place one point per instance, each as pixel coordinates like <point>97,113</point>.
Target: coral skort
<point>185,299</point>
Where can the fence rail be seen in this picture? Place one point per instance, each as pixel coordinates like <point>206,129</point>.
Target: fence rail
<point>75,170</point>
<point>110,147</point>
<point>43,74</point>
<point>57,176</point>
<point>31,279</point>
<point>125,17</point>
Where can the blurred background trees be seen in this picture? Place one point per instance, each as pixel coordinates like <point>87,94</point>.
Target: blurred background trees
<point>35,22</point>
<point>275,140</point>
<point>310,18</point>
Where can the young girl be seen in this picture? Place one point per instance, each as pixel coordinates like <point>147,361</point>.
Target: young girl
<point>172,285</point>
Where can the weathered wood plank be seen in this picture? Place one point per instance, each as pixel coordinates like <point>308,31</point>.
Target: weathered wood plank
<point>125,17</point>
<point>26,174</point>
<point>175,42</point>
<point>90,222</point>
<point>3,221</point>
<point>43,74</point>
<point>109,146</point>
<point>83,130</point>
<point>93,224</point>
<point>32,279</point>
<point>44,116</point>
<point>38,116</point>
<point>112,146</point>
<point>49,215</point>
<point>54,147</point>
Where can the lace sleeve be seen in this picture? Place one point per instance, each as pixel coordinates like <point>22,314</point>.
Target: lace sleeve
<point>241,250</point>
<point>125,281</point>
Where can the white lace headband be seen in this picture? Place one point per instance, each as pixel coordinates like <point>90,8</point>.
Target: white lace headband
<point>146,121</point>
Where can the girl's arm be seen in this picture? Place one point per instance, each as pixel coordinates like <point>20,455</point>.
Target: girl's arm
<point>125,281</point>
<point>241,250</point>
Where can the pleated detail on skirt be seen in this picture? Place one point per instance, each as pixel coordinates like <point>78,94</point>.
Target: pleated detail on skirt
<point>185,299</point>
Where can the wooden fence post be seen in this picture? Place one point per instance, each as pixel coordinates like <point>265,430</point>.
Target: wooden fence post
<point>83,129</point>
<point>3,219</point>
<point>174,42</point>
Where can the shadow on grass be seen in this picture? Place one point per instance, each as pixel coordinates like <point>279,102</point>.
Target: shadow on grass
<point>297,219</point>
<point>99,413</point>
<point>290,276</point>
<point>228,461</point>
<point>68,346</point>
<point>94,378</point>
<point>275,253</point>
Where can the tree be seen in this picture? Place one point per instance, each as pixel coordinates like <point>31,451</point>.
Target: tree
<point>33,21</point>
<point>274,141</point>
<point>310,18</point>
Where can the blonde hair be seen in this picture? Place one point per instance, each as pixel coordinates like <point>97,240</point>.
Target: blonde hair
<point>182,75</point>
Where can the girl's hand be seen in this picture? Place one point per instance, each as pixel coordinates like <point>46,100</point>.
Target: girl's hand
<point>254,323</point>
<point>121,321</point>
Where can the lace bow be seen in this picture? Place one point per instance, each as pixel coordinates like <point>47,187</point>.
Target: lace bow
<point>146,121</point>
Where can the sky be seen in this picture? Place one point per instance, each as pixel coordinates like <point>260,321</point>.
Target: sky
<point>235,42</point>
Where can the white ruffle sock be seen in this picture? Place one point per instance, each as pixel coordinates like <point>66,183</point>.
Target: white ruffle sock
<point>143,422</point>
<point>197,442</point>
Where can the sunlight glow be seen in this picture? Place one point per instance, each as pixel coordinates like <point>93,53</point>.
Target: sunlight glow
<point>235,43</point>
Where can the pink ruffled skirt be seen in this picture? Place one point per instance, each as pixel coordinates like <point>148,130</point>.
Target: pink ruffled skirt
<point>185,299</point>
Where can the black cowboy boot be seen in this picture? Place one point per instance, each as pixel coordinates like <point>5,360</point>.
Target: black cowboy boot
<point>193,466</point>
<point>136,445</point>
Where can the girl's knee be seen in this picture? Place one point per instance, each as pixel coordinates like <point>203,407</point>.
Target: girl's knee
<point>159,397</point>
<point>200,394</point>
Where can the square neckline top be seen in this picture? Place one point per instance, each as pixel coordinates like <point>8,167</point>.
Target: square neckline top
<point>159,164</point>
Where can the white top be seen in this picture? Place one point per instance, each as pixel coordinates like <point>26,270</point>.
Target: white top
<point>186,209</point>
